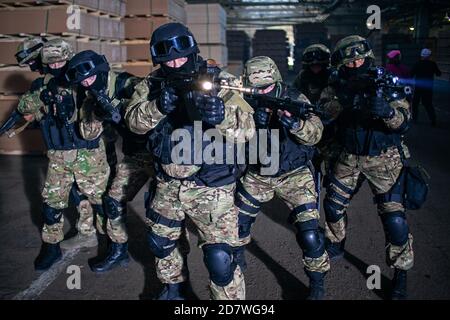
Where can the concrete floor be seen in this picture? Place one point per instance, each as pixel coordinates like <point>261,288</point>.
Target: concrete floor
<point>275,270</point>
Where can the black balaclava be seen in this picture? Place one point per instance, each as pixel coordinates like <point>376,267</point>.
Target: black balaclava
<point>318,78</point>
<point>186,70</point>
<point>349,73</point>
<point>58,73</point>
<point>37,65</point>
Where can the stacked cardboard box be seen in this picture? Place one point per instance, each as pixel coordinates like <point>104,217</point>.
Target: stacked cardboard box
<point>272,43</point>
<point>305,35</point>
<point>99,29</point>
<point>239,47</point>
<point>208,24</point>
<point>114,8</point>
<point>142,18</point>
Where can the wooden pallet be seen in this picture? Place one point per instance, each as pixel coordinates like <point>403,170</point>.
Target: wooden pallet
<point>14,5</point>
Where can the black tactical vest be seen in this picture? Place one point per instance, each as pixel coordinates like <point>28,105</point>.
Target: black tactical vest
<point>293,154</point>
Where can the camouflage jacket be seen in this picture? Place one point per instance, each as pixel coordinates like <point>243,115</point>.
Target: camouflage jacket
<point>91,126</point>
<point>142,115</point>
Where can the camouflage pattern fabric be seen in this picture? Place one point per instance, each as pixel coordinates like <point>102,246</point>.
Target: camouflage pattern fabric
<point>238,126</point>
<point>213,212</point>
<point>295,188</point>
<point>261,71</point>
<point>57,50</point>
<point>85,222</point>
<point>88,168</point>
<point>28,44</point>
<point>381,172</point>
<point>235,290</point>
<point>131,175</point>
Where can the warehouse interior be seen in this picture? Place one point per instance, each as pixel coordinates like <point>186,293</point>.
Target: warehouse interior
<point>230,32</point>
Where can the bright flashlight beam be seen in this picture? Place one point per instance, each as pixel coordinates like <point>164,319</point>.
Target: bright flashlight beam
<point>207,85</point>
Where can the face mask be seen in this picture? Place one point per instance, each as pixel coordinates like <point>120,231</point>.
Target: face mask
<point>37,66</point>
<point>58,73</point>
<point>348,73</point>
<point>187,69</point>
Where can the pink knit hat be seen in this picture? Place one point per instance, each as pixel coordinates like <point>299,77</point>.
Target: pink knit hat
<point>392,54</point>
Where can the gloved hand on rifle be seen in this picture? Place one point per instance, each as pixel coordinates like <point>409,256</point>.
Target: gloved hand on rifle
<point>47,97</point>
<point>166,102</point>
<point>262,118</point>
<point>108,111</point>
<point>212,109</point>
<point>65,105</point>
<point>381,108</point>
<point>288,121</point>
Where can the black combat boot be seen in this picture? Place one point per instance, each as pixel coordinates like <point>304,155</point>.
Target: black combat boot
<point>316,285</point>
<point>50,253</point>
<point>117,255</point>
<point>335,250</point>
<point>399,285</point>
<point>239,257</point>
<point>175,291</point>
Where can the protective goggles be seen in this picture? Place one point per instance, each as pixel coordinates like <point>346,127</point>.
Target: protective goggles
<point>312,56</point>
<point>21,55</point>
<point>83,70</point>
<point>180,44</point>
<point>353,50</point>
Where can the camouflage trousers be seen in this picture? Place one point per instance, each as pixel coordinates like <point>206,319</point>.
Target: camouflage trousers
<point>132,173</point>
<point>329,154</point>
<point>382,172</point>
<point>86,216</point>
<point>297,190</point>
<point>215,217</point>
<point>87,168</point>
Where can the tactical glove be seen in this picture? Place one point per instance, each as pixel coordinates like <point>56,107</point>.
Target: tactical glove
<point>212,109</point>
<point>289,122</point>
<point>166,101</point>
<point>262,118</point>
<point>108,112</point>
<point>381,108</point>
<point>47,97</point>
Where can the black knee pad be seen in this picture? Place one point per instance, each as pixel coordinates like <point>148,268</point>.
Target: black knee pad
<point>395,227</point>
<point>310,239</point>
<point>331,209</point>
<point>113,208</point>
<point>218,259</point>
<point>161,247</point>
<point>245,224</point>
<point>51,215</point>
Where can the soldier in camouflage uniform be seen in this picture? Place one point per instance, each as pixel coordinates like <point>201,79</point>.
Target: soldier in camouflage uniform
<point>316,71</point>
<point>106,93</point>
<point>369,128</point>
<point>29,54</point>
<point>293,182</point>
<point>198,190</point>
<point>311,81</point>
<point>72,159</point>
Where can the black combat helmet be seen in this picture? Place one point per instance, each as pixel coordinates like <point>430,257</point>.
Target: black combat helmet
<point>84,65</point>
<point>172,41</point>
